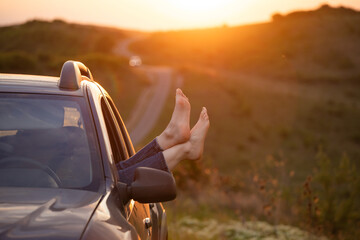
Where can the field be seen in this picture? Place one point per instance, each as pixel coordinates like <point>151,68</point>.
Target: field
<point>283,146</point>
<point>271,152</point>
<point>284,103</point>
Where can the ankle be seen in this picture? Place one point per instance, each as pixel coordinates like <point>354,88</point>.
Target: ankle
<point>191,151</point>
<point>186,149</point>
<point>162,141</point>
<point>173,135</point>
<point>174,155</point>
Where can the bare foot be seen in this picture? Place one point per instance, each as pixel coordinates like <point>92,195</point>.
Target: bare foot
<point>193,148</point>
<point>178,130</point>
<point>195,145</point>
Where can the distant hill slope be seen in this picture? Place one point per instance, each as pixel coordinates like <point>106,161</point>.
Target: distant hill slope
<point>37,46</point>
<point>41,47</point>
<point>58,37</point>
<point>307,45</point>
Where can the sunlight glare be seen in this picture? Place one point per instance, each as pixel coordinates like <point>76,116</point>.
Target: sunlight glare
<point>198,5</point>
<point>204,13</point>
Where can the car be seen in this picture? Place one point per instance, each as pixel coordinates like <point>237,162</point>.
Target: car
<point>60,140</point>
<point>135,61</point>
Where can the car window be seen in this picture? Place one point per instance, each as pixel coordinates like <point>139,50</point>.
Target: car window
<point>120,122</point>
<point>116,140</point>
<point>47,141</point>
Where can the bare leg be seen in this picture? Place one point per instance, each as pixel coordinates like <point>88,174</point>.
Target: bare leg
<point>192,149</point>
<point>178,130</point>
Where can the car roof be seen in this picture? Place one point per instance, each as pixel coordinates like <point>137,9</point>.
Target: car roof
<point>21,83</point>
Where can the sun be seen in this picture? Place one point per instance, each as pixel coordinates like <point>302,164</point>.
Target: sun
<point>199,6</point>
<point>201,13</point>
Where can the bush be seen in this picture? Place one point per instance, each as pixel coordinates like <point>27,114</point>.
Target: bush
<point>333,202</point>
<point>13,62</point>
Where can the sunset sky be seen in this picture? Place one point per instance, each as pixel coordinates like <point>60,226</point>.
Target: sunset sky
<point>152,15</point>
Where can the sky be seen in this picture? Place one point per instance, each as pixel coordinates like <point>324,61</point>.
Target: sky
<point>157,15</point>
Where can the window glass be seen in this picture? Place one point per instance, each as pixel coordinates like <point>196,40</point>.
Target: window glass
<point>47,141</point>
<point>116,140</point>
<point>129,146</point>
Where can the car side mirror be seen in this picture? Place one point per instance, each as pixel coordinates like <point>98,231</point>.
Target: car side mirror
<point>149,186</point>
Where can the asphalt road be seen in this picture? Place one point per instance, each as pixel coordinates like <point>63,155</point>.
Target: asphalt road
<point>150,104</point>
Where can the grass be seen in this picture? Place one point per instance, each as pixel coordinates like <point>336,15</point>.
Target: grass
<point>268,117</point>
<point>191,228</point>
<point>306,46</point>
<point>265,134</point>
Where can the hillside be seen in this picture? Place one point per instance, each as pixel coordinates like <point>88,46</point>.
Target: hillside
<point>284,105</point>
<point>41,47</point>
<point>310,45</point>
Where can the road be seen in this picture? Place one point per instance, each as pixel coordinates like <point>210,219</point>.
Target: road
<point>151,102</point>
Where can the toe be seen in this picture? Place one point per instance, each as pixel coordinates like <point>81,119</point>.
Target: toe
<point>206,117</point>
<point>204,113</point>
<point>182,93</point>
<point>178,91</point>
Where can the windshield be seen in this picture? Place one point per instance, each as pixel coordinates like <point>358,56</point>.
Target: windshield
<point>46,141</point>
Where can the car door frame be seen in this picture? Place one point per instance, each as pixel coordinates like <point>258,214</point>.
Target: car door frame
<point>137,212</point>
<point>156,210</point>
<point>96,95</point>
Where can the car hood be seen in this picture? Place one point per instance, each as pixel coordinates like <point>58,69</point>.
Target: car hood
<point>45,213</point>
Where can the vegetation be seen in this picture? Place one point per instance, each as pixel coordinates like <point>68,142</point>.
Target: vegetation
<point>58,38</point>
<point>41,47</point>
<point>273,124</point>
<point>214,229</point>
<point>308,46</point>
<point>265,148</point>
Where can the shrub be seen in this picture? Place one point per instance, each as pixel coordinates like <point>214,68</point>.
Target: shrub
<point>334,196</point>
<point>13,62</point>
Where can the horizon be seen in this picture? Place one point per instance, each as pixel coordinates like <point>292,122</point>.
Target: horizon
<point>151,18</point>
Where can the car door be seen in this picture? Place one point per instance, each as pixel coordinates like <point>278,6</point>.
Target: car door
<point>137,214</point>
<point>157,212</point>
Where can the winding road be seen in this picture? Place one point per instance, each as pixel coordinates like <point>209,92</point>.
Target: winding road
<point>150,104</point>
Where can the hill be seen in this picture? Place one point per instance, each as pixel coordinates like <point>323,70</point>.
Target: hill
<point>284,103</point>
<point>307,45</point>
<point>41,47</point>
